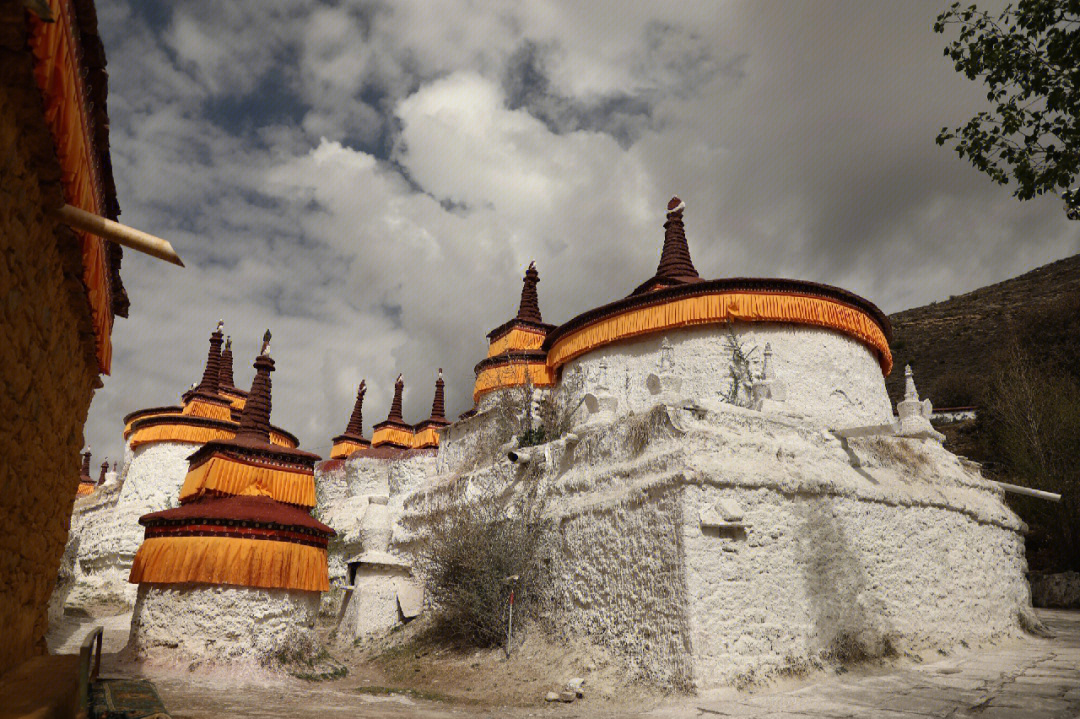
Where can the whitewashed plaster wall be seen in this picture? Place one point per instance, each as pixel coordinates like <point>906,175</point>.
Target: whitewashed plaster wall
<point>829,377</point>
<point>874,540</point>
<point>106,526</point>
<point>360,498</point>
<point>814,574</point>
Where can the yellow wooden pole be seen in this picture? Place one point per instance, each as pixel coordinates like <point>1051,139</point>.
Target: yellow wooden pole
<point>120,234</point>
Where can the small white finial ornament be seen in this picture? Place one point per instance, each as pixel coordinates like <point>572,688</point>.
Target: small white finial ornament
<point>667,355</point>
<point>910,393</point>
<point>767,391</point>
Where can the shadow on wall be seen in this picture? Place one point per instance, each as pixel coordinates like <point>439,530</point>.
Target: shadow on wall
<point>848,620</point>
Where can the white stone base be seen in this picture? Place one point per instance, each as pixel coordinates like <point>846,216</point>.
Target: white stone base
<point>828,376</point>
<point>372,604</point>
<point>177,623</point>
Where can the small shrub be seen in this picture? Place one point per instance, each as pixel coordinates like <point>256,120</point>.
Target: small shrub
<point>469,557</point>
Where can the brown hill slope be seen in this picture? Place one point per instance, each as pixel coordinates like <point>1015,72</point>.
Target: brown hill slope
<point>951,345</point>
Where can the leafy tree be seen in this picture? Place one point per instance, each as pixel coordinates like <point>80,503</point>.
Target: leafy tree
<point>1029,57</point>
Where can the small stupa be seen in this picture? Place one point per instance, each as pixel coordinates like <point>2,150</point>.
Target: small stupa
<point>427,432</point>
<point>515,357</point>
<point>86,482</point>
<point>394,433</point>
<point>352,439</point>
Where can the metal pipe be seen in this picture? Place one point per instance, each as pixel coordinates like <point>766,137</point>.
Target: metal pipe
<point>120,234</point>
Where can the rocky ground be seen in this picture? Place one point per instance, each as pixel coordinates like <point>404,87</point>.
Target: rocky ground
<point>1021,679</point>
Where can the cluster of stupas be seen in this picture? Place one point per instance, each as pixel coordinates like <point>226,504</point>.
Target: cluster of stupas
<point>394,435</point>
<point>729,489</point>
<point>237,569</point>
<point>105,531</point>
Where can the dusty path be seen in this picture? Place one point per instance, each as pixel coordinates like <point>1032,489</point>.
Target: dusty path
<point>1024,679</point>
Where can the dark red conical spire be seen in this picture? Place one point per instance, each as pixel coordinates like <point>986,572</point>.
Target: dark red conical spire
<point>104,469</point>
<point>212,372</point>
<point>225,375</point>
<point>676,267</point>
<point>255,420</point>
<point>438,409</point>
<point>356,421</point>
<point>529,309</point>
<point>675,262</point>
<point>85,473</point>
<point>395,406</point>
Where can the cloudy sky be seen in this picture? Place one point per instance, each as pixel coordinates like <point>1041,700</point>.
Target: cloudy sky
<point>369,180</point>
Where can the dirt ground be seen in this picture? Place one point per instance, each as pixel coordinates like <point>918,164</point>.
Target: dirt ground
<point>399,676</point>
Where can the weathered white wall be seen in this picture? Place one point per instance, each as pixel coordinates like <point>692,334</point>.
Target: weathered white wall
<point>106,529</point>
<point>828,376</point>
<point>617,579</point>
<point>821,573</point>
<point>360,498</point>
<point>840,543</point>
<point>179,623</point>
<point>151,483</point>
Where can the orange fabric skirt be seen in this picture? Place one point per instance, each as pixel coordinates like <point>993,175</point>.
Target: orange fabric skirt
<point>195,408</point>
<point>230,560</point>
<point>512,375</point>
<point>516,339</point>
<point>225,475</point>
<point>427,438</point>
<point>177,433</point>
<point>392,435</point>
<point>341,450</point>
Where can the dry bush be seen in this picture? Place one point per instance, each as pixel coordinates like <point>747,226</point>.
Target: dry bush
<point>1030,426</point>
<point>955,389</point>
<point>847,648</point>
<point>469,557</point>
<point>898,451</point>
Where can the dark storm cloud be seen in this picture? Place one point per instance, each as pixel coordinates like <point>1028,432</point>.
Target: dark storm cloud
<point>371,179</point>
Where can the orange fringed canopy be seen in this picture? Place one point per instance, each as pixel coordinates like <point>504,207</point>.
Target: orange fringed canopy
<point>425,438</point>
<point>177,433</point>
<point>127,426</point>
<point>230,560</point>
<point>515,374</point>
<point>518,338</point>
<point>191,433</point>
<point>229,475</point>
<point>282,440</point>
<point>391,435</point>
<point>721,307</point>
<point>198,408</point>
<point>84,489</point>
<point>58,73</point>
<point>345,448</point>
